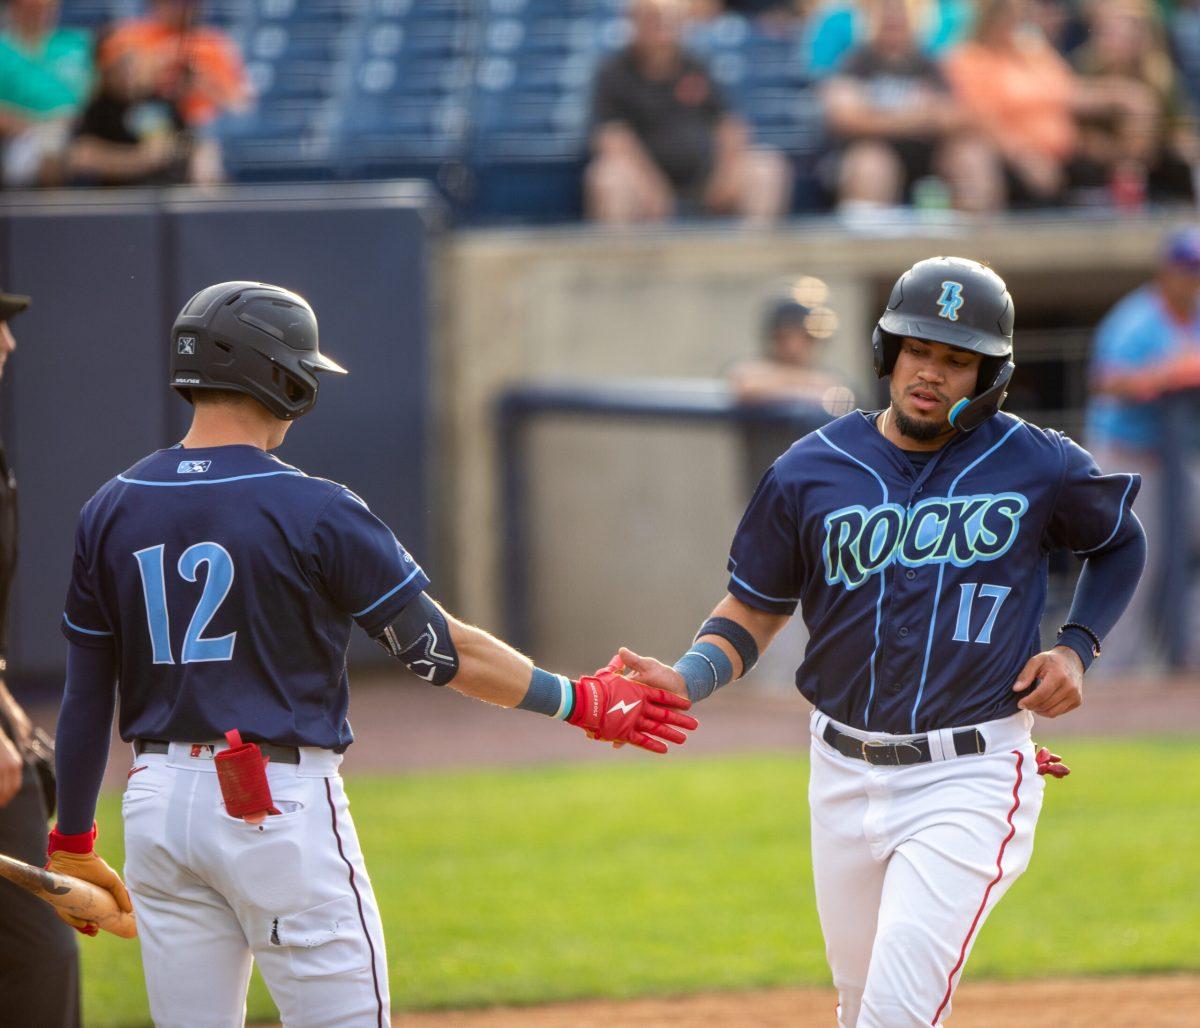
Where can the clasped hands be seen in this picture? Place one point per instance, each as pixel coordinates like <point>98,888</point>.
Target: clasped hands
<point>627,685</point>
<point>611,707</point>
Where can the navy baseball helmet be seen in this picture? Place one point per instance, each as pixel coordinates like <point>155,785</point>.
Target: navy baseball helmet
<point>961,303</point>
<point>253,338</point>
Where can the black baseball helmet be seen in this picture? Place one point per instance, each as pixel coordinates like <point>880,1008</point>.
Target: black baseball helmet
<point>961,303</point>
<point>252,338</point>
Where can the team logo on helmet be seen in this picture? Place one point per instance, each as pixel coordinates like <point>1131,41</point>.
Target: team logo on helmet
<point>186,346</point>
<point>950,301</point>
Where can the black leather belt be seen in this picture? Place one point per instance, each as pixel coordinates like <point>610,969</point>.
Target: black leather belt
<point>279,754</point>
<point>900,754</point>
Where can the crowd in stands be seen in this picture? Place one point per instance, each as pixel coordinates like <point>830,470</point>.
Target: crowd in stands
<point>127,107</point>
<point>977,106</point>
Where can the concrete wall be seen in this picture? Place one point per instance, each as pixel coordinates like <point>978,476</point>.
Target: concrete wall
<point>633,523</point>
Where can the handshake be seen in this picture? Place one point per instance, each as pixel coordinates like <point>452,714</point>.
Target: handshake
<point>613,708</point>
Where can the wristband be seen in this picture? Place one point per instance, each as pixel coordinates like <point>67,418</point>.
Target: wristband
<point>1080,641</point>
<point>549,694</point>
<point>704,668</point>
<point>83,842</point>
<point>1086,631</point>
<point>741,640</point>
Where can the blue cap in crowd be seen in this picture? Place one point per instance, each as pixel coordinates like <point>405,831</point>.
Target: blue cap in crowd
<point>1183,249</point>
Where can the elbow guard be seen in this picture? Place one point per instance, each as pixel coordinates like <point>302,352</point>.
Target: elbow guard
<point>419,638</point>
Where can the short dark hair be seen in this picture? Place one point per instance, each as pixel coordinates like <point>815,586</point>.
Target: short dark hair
<point>214,397</point>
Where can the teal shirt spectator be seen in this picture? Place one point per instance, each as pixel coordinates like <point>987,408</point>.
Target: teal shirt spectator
<point>50,80</point>
<point>837,28</point>
<point>1139,331</point>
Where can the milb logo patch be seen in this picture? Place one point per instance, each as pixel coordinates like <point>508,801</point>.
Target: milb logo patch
<point>962,531</point>
<point>193,467</point>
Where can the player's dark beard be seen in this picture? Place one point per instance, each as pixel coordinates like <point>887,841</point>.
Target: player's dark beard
<point>919,429</point>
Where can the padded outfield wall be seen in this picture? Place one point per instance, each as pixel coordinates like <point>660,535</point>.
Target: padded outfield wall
<point>86,394</point>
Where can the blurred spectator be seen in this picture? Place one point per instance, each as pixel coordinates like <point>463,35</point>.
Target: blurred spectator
<point>131,135</point>
<point>789,369</point>
<point>664,141</point>
<point>1146,348</point>
<point>1150,137</point>
<point>45,76</point>
<point>1024,96</point>
<point>1060,22</point>
<point>1184,28</point>
<point>890,109</point>
<point>197,66</point>
<point>837,27</point>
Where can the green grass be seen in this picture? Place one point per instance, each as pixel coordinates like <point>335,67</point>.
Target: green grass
<point>631,877</point>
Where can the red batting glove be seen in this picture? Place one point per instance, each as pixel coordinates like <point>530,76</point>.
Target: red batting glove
<point>614,709</point>
<point>1050,764</point>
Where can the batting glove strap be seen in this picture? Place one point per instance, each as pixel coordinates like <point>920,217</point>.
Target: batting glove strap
<point>83,842</point>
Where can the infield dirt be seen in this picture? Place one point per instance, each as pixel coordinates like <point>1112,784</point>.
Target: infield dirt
<point>1167,1002</point>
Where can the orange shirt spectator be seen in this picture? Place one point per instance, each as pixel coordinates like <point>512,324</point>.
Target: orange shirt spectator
<point>198,66</point>
<point>1022,97</point>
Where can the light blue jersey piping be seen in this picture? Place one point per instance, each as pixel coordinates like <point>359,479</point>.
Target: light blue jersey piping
<point>937,596</point>
<point>208,481</point>
<point>1116,527</point>
<point>391,592</point>
<point>761,596</point>
<point>85,631</point>
<point>882,578</point>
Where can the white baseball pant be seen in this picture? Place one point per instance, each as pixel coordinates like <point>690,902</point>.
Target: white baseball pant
<point>214,893</point>
<point>909,861</point>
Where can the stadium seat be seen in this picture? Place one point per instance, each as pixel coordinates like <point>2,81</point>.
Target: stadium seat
<point>488,98</point>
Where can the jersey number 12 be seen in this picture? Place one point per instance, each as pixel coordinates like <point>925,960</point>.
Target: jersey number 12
<point>216,587</point>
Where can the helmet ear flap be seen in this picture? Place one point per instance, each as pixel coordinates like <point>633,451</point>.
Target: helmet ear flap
<point>967,415</point>
<point>885,348</point>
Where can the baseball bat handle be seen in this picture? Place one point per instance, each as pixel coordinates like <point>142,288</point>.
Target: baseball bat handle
<point>71,895</point>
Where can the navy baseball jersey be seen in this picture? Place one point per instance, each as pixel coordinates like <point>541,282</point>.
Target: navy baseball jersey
<point>922,585</point>
<point>228,582</point>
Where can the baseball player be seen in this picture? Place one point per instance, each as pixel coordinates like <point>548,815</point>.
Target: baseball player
<point>218,586</point>
<point>915,542</point>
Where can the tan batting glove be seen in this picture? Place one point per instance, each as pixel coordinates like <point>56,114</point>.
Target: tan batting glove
<point>89,867</point>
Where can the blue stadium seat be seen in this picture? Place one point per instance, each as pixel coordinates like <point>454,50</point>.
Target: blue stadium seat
<point>488,98</point>
<point>94,14</point>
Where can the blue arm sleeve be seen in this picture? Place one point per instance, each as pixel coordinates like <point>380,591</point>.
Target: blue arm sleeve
<point>1104,590</point>
<point>81,740</point>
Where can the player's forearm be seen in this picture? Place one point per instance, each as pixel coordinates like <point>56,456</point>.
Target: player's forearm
<point>762,626</point>
<point>726,647</point>
<point>81,739</point>
<point>1105,587</point>
<point>442,650</point>
<point>489,669</point>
